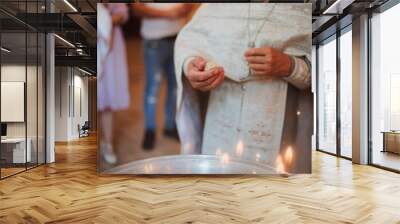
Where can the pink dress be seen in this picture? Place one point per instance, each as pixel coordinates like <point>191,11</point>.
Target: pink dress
<point>113,89</point>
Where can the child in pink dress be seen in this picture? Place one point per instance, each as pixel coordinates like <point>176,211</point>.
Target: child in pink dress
<point>113,90</point>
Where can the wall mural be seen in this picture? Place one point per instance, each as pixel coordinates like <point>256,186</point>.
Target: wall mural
<point>204,88</point>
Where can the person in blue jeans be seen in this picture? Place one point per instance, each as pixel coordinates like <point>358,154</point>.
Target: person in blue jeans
<point>160,26</point>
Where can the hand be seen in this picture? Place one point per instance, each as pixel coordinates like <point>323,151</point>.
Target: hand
<point>202,79</point>
<point>267,61</point>
<point>178,11</point>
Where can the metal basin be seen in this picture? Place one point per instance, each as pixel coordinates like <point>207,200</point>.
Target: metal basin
<point>192,164</point>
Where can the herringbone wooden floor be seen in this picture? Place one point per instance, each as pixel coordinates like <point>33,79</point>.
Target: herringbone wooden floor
<point>70,191</point>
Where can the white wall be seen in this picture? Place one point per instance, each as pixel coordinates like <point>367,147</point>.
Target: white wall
<point>80,89</point>
<point>12,73</point>
<point>62,81</point>
<point>71,93</point>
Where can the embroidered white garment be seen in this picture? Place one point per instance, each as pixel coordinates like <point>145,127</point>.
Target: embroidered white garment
<point>246,116</point>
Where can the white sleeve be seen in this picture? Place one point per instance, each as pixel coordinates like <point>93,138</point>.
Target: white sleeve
<point>301,75</point>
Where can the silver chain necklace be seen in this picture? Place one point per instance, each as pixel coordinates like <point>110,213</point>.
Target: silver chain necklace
<point>252,43</point>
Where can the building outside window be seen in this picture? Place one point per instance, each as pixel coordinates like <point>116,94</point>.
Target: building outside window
<point>385,89</point>
<point>327,95</point>
<point>346,92</point>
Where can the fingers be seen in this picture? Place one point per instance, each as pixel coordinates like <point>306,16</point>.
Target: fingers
<point>259,73</point>
<point>255,52</point>
<point>199,63</point>
<point>218,81</point>
<point>201,79</point>
<point>198,76</point>
<point>205,82</point>
<point>259,67</point>
<point>201,76</point>
<point>215,77</point>
<point>260,60</point>
<point>256,59</point>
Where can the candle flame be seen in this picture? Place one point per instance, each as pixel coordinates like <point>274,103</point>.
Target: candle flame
<point>258,157</point>
<point>288,156</point>
<point>225,158</point>
<point>280,167</point>
<point>239,148</point>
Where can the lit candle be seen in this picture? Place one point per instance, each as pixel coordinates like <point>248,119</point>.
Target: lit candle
<point>280,167</point>
<point>225,158</point>
<point>288,156</point>
<point>239,148</point>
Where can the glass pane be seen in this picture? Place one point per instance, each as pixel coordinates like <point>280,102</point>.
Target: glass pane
<point>31,97</point>
<point>346,94</point>
<point>41,99</point>
<point>327,97</point>
<point>23,82</point>
<point>13,89</point>
<point>386,89</point>
<point>313,82</point>
<point>32,87</point>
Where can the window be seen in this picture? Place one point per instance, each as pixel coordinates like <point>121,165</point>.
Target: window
<point>346,93</point>
<point>385,89</point>
<point>327,96</point>
<point>22,77</point>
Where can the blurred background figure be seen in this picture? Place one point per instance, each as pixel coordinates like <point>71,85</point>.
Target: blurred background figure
<point>113,92</point>
<point>160,25</point>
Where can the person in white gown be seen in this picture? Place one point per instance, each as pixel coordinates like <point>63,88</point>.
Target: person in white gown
<point>250,58</point>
